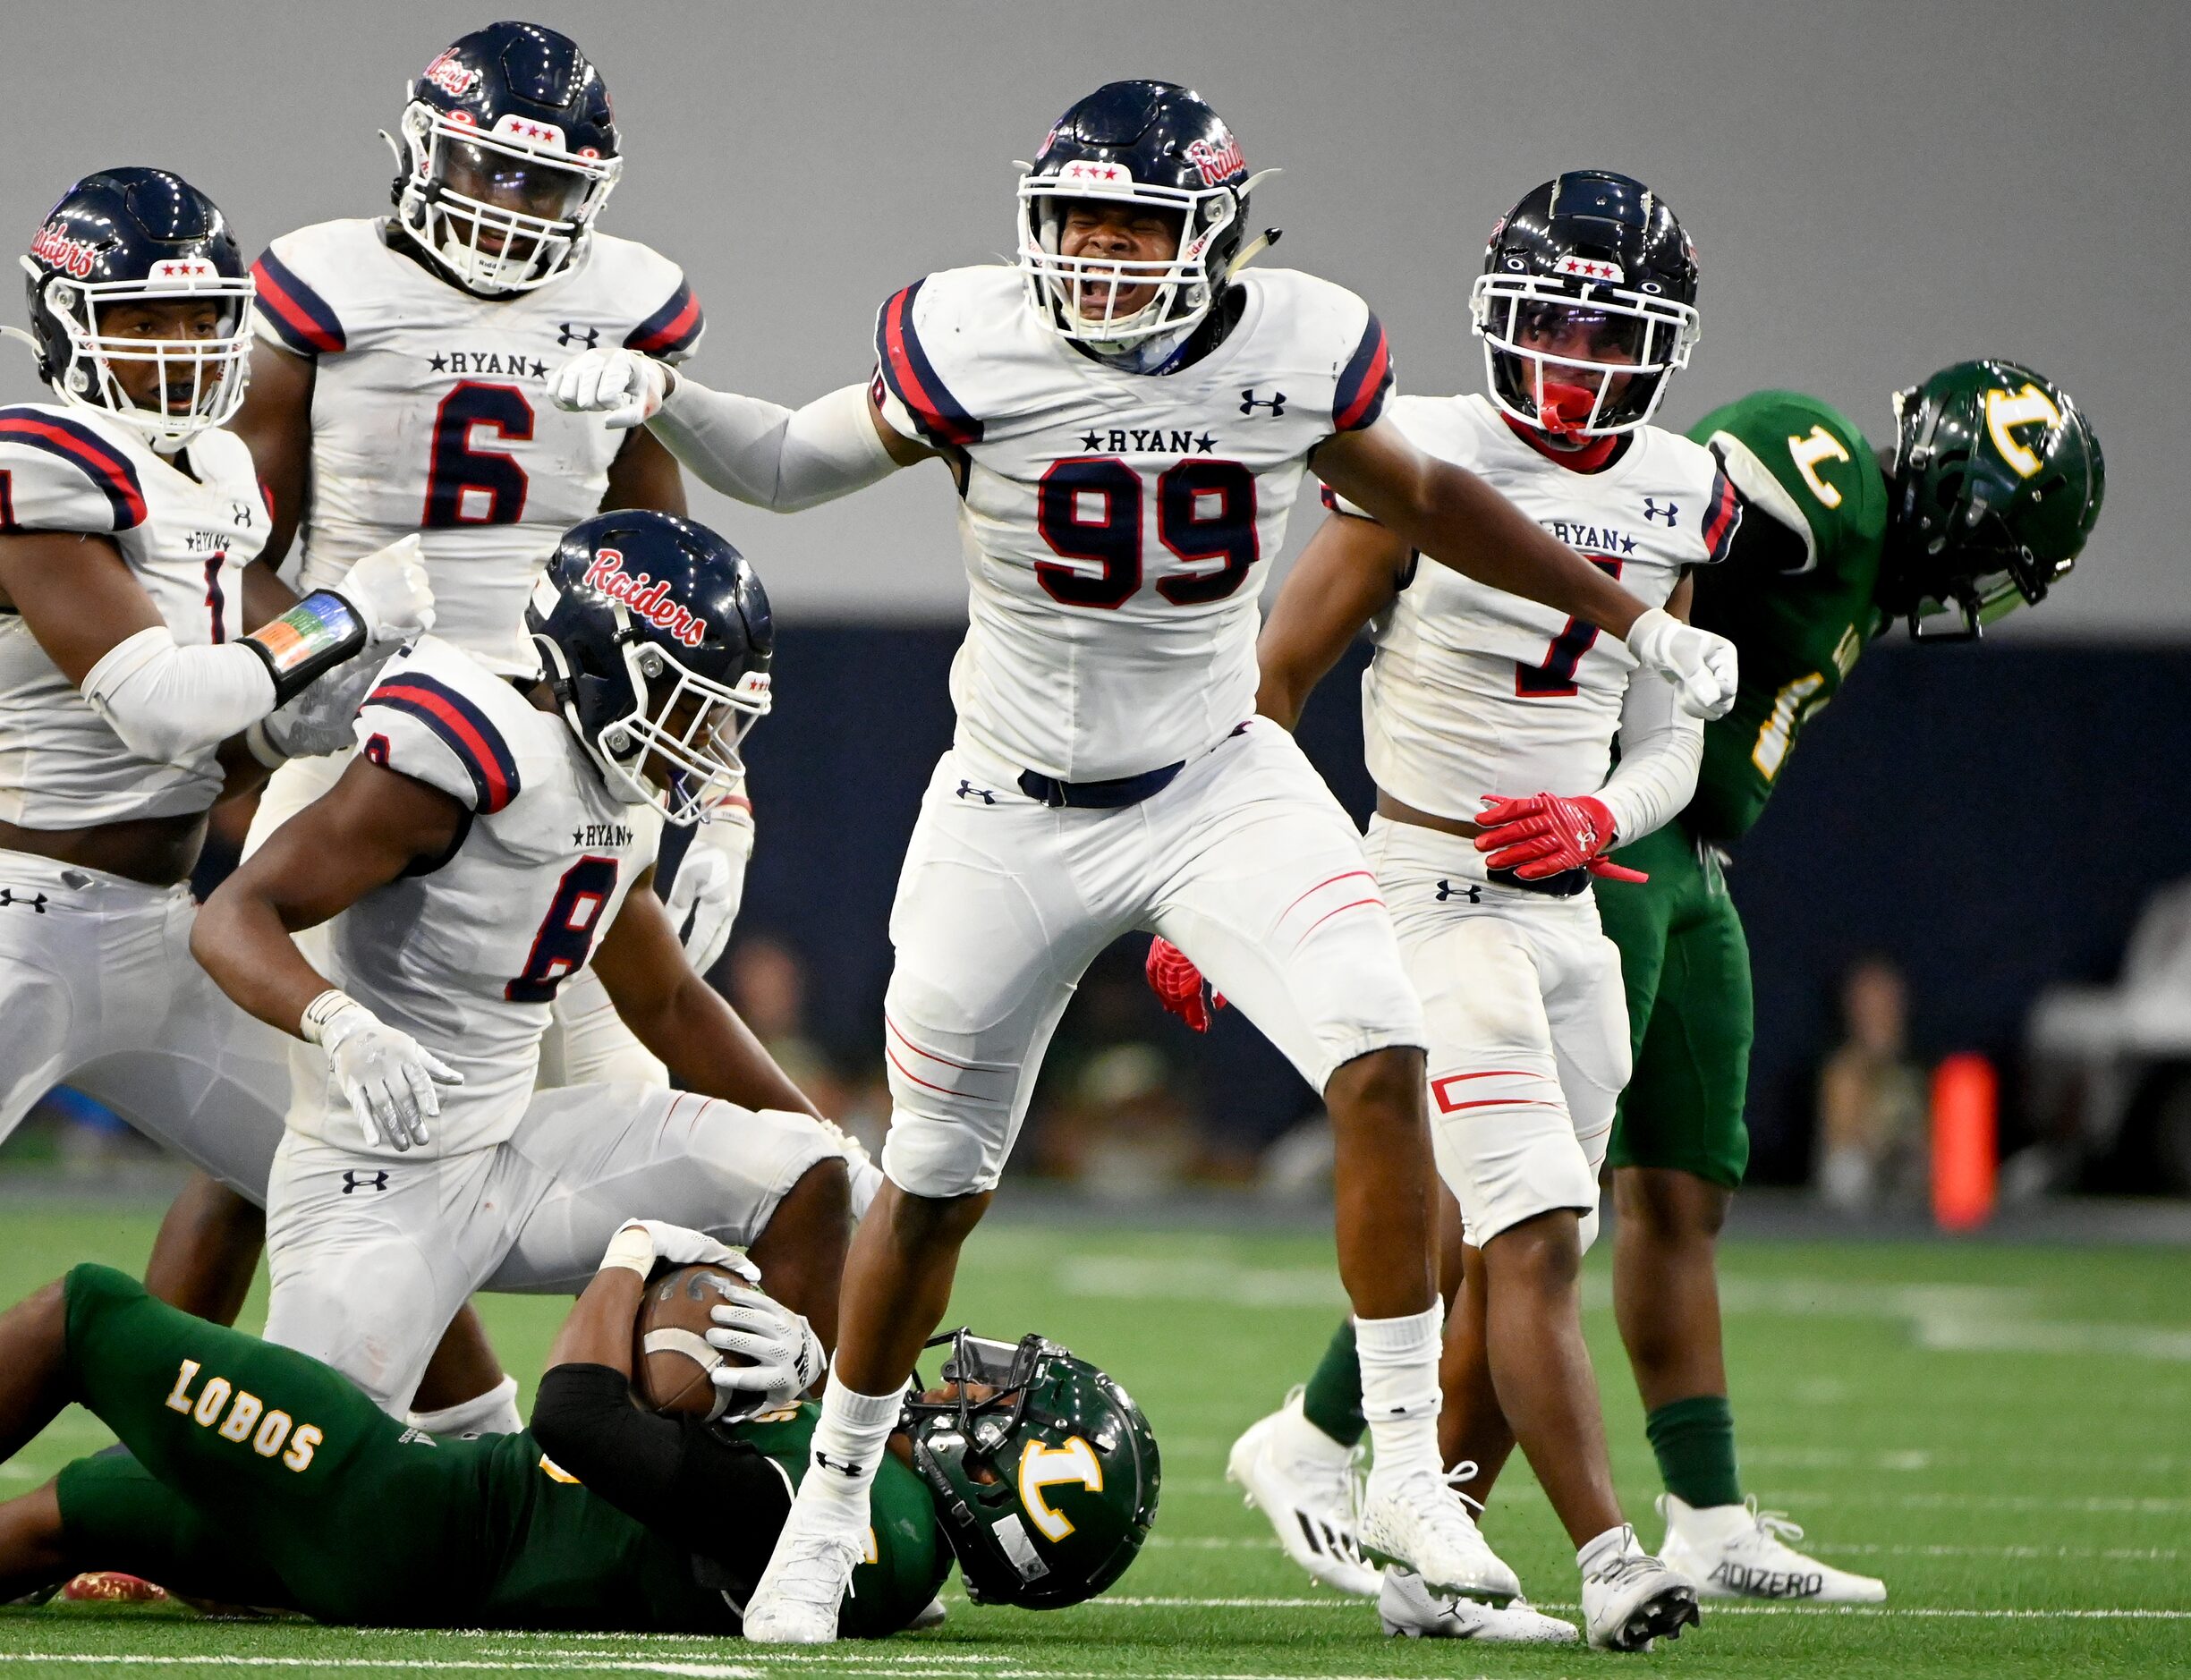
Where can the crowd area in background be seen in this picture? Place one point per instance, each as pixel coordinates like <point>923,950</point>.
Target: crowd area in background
<point>1125,1109</point>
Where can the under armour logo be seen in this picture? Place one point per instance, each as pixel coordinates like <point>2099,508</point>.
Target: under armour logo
<point>822,1461</point>
<point>967,790</point>
<point>585,337</point>
<point>36,902</point>
<point>1651,510</point>
<point>1468,891</point>
<point>1250,403</point>
<point>353,1180</point>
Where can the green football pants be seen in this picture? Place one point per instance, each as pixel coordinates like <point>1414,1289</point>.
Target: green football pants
<point>258,1475</point>
<point>1687,967</point>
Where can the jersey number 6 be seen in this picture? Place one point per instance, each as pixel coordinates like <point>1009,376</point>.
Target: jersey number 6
<point>1090,508</point>
<point>457,472</point>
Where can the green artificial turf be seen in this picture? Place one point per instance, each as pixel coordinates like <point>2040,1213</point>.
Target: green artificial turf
<point>2003,1433</point>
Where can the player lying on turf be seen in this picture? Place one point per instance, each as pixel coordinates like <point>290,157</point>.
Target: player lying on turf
<point>492,836</point>
<point>134,692</point>
<point>1992,485</point>
<point>394,390</point>
<point>1490,724</point>
<point>256,1475</point>
<point>1129,415</point>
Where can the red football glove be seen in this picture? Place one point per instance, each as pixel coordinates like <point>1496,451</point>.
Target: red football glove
<point>1179,985</point>
<point>1546,834</point>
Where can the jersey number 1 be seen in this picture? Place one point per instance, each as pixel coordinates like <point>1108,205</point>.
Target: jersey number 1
<point>1556,675</point>
<point>565,938</point>
<point>459,478</point>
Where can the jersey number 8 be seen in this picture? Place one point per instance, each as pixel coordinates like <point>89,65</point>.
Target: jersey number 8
<point>1205,510</point>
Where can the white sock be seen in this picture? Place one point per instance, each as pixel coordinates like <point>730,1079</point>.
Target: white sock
<point>494,1412</point>
<point>848,1444</point>
<point>1617,1541</point>
<point>1399,1387</point>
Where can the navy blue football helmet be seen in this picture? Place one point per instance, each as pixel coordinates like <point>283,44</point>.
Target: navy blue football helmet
<point>1593,258</point>
<point>655,635</point>
<point>1137,143</point>
<point>508,152</point>
<point>122,240</point>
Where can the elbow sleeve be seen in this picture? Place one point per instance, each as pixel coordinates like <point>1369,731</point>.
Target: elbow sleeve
<point>768,456</point>
<point>1662,749</point>
<point>167,702</point>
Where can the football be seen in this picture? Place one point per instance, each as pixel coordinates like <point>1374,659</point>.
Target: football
<point>671,1359</point>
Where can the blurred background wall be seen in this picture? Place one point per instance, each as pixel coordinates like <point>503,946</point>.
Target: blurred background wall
<point>1876,188</point>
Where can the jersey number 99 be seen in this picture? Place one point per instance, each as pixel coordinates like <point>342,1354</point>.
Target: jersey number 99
<point>1205,510</point>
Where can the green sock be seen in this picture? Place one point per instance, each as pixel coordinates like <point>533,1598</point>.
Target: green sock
<point>1332,1401</point>
<point>1694,1441</point>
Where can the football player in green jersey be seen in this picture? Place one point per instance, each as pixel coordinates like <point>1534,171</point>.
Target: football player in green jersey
<point>1992,485</point>
<point>257,1475</point>
<point>1983,504</point>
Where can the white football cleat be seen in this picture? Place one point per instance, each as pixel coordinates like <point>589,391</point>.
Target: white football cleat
<point>1304,1481</point>
<point>930,1615</point>
<point>799,1594</point>
<point>1408,1608</point>
<point>1737,1551</point>
<point>1415,1518</point>
<point>1630,1598</point>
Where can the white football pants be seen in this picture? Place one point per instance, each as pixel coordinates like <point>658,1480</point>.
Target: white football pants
<point>1528,1028</point>
<point>1245,861</point>
<point>371,1255</point>
<point>98,990</point>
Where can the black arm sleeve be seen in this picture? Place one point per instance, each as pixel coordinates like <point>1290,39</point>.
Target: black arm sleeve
<point>713,1496</point>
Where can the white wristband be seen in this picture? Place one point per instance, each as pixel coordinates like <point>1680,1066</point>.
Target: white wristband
<point>632,1250</point>
<point>321,1012</point>
<point>261,749</point>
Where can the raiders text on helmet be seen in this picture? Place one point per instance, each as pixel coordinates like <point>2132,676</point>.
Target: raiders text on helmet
<point>508,152</point>
<point>1136,142</point>
<point>1042,1469</point>
<point>122,240</point>
<point>1995,484</point>
<point>1600,253</point>
<point>655,635</point>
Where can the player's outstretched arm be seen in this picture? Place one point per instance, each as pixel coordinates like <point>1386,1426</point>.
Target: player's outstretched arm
<point>1459,520</point>
<point>750,449</point>
<point>1347,574</point>
<point>681,1018</point>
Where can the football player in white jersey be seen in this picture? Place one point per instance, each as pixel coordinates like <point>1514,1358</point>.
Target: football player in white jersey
<point>131,697</point>
<point>1128,426</point>
<point>492,836</point>
<point>395,388</point>
<point>1475,697</point>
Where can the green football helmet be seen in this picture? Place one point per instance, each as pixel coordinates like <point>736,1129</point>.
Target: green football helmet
<point>1994,485</point>
<point>1046,1487</point>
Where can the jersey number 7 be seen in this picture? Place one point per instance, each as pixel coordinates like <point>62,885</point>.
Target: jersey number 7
<point>1556,675</point>
<point>1090,508</point>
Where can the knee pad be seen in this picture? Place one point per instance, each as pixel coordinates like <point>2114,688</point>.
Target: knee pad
<point>925,1156</point>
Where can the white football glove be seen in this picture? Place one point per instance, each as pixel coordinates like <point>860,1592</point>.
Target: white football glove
<point>1701,666</point>
<point>710,884</point>
<point>787,1355</point>
<point>318,720</point>
<point>386,1075</point>
<point>626,388</point>
<point>390,591</point>
<point>640,1242</point>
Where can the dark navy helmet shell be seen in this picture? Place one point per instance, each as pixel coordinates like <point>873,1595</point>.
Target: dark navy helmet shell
<point>126,238</point>
<point>656,637</point>
<point>1587,302</point>
<point>508,152</point>
<point>1139,142</point>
